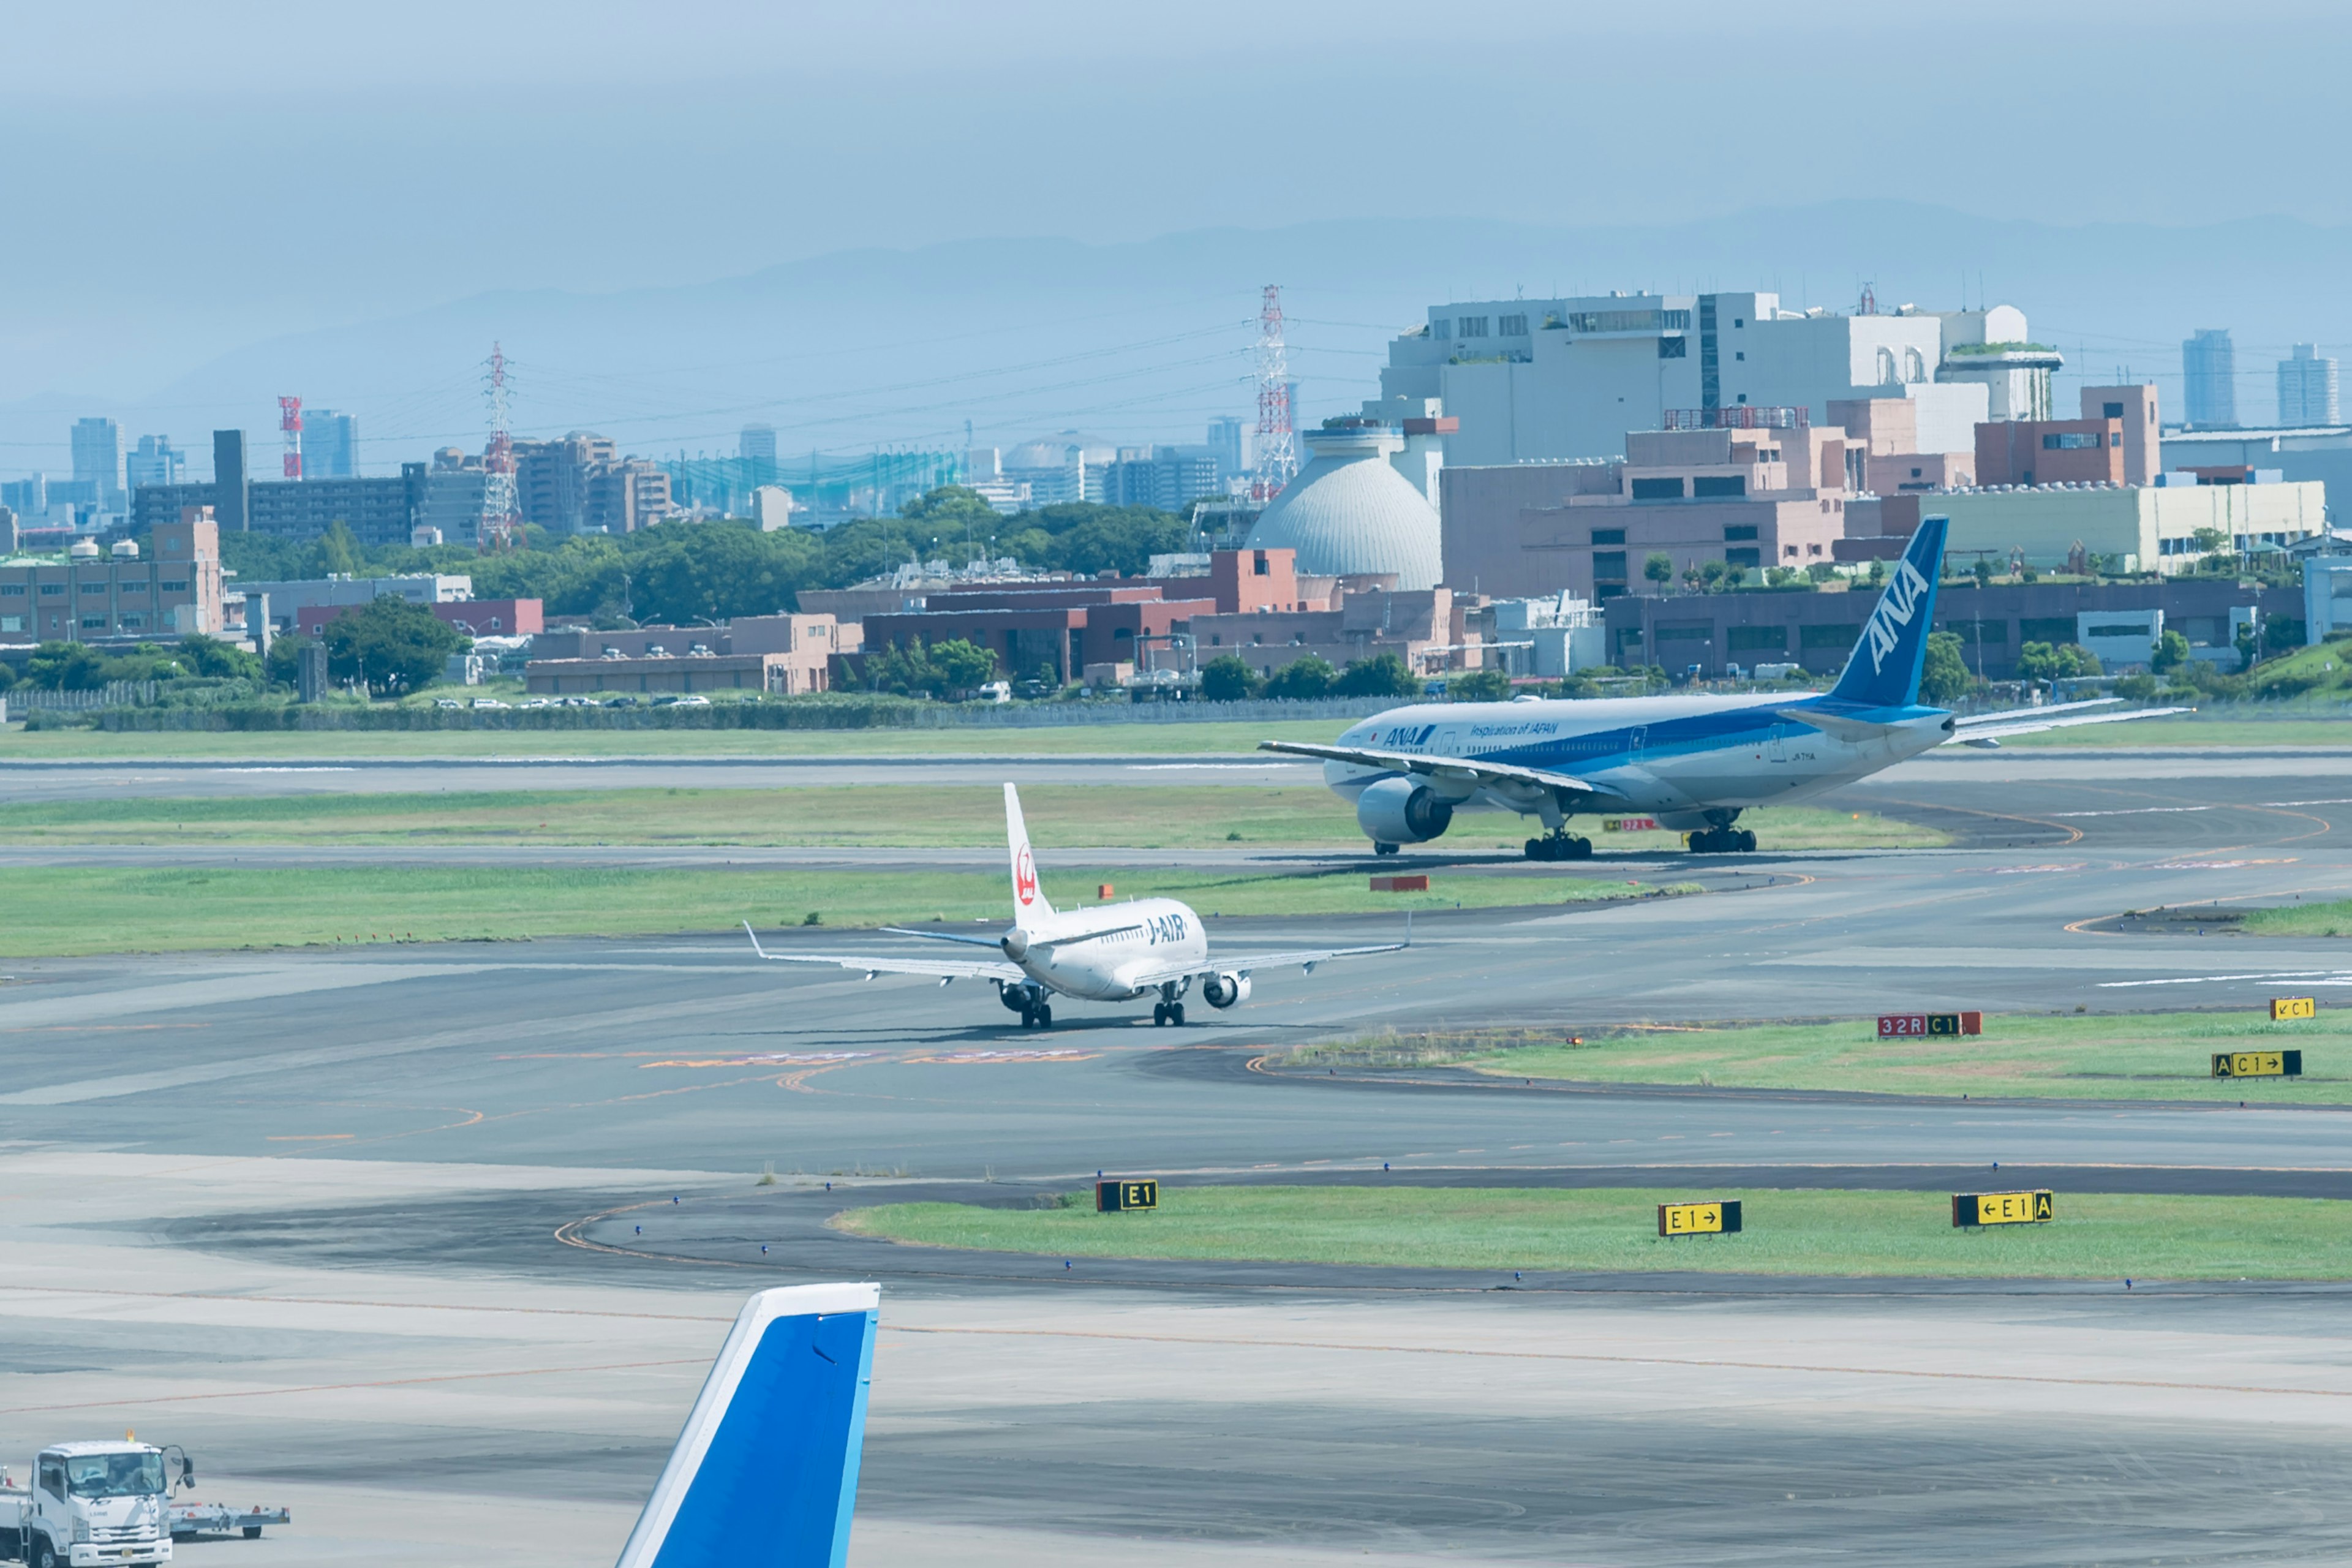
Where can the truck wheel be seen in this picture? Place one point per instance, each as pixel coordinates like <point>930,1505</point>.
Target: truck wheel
<point>42,1554</point>
<point>253,1532</point>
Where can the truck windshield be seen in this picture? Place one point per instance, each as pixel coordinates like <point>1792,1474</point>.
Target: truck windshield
<point>115,1475</point>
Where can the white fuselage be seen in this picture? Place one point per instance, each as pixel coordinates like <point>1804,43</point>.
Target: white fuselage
<point>1101,954</point>
<point>1674,757</point>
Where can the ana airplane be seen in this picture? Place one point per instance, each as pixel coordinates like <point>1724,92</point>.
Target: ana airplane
<point>1111,952</point>
<point>1694,762</point>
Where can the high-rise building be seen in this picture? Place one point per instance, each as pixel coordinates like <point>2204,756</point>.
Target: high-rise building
<point>155,461</point>
<point>2306,387</point>
<point>2209,370</point>
<point>1162,476</point>
<point>97,460</point>
<point>758,451</point>
<point>1229,439</point>
<point>331,445</point>
<point>232,489</point>
<point>551,479</point>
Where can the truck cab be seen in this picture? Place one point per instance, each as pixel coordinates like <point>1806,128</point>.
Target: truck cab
<point>90,1503</point>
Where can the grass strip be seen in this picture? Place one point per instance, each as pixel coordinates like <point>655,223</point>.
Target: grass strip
<point>2301,919</point>
<point>65,911</point>
<point>1137,816</point>
<point>1614,1229</point>
<point>2159,1056</point>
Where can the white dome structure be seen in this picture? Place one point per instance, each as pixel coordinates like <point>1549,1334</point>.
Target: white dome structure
<point>1348,511</point>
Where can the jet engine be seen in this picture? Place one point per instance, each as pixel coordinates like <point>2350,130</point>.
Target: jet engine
<point>1401,810</point>
<point>1225,990</point>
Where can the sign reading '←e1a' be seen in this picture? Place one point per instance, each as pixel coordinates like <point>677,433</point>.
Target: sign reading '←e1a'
<point>2257,1064</point>
<point>1908,1026</point>
<point>1716,1216</point>
<point>2001,1208</point>
<point>1118,1198</point>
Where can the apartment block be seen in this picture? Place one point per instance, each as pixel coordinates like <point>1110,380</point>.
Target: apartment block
<point>172,591</point>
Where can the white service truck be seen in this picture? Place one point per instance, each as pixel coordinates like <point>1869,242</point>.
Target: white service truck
<point>93,1503</point>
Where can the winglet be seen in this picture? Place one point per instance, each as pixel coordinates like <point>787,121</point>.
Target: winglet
<point>766,1469</point>
<point>755,940</point>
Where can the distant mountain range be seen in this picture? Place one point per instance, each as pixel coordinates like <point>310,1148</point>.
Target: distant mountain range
<point>1147,341</point>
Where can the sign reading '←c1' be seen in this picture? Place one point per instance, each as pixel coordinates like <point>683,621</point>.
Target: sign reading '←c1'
<point>2001,1208</point>
<point>2257,1064</point>
<point>1117,1197</point>
<point>2284,1008</point>
<point>1718,1216</point>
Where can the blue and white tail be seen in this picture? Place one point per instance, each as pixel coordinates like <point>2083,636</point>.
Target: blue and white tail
<point>766,1470</point>
<point>1030,910</point>
<point>1885,669</point>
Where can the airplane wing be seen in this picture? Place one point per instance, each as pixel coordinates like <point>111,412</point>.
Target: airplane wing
<point>938,968</point>
<point>1985,729</point>
<point>1466,768</point>
<point>1242,963</point>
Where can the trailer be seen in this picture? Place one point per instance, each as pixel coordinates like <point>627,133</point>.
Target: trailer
<point>191,1520</point>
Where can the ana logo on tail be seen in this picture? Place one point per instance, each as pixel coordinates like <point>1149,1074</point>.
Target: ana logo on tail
<point>1024,878</point>
<point>1893,611</point>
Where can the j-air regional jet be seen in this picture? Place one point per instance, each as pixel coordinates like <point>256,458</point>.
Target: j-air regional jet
<point>1111,952</point>
<point>1694,762</point>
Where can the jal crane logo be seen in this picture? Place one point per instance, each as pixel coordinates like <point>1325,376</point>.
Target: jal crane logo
<point>1893,611</point>
<point>1024,878</point>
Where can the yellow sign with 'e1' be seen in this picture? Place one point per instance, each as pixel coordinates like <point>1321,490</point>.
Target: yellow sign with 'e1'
<point>1719,1216</point>
<point>2284,1008</point>
<point>2001,1208</point>
<point>2257,1064</point>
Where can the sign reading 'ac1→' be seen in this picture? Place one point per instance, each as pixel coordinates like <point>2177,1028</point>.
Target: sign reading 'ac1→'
<point>1117,1197</point>
<point>2001,1208</point>
<point>2257,1064</point>
<point>1716,1216</point>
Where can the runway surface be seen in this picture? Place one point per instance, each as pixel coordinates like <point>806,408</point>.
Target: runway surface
<point>361,1227</point>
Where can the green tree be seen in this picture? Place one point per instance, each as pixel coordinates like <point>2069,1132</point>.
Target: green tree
<point>1227,678</point>
<point>960,665</point>
<point>1659,568</point>
<point>1945,678</point>
<point>1383,675</point>
<point>338,551</point>
<point>1479,686</point>
<point>1303,679</point>
<point>2042,661</point>
<point>66,666</point>
<point>391,646</point>
<point>201,655</point>
<point>2171,653</point>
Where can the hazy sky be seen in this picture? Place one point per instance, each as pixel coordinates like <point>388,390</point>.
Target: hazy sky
<point>178,181</point>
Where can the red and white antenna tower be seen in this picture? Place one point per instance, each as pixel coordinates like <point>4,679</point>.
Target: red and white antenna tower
<point>499,521</point>
<point>289,420</point>
<point>1277,459</point>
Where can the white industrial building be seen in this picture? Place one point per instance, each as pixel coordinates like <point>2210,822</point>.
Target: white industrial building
<point>1544,380</point>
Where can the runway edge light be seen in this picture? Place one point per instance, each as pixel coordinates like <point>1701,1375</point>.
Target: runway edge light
<point>2035,1207</point>
<point>1711,1217</point>
<point>766,1469</point>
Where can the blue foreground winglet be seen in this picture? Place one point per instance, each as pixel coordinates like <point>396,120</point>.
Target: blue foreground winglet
<point>766,1470</point>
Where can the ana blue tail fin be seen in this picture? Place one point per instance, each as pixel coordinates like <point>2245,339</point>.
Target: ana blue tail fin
<point>766,1470</point>
<point>1885,669</point>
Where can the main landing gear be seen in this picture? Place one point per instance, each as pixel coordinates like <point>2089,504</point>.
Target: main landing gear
<point>1040,1016</point>
<point>1559,845</point>
<point>1722,841</point>
<point>1380,848</point>
<point>1167,1013</point>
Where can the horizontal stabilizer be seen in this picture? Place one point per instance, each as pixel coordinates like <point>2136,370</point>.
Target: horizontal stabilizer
<point>1838,725</point>
<point>766,1469</point>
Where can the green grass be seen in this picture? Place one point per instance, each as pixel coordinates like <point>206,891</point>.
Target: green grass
<point>2162,1056</point>
<point>2094,1237</point>
<point>62,911</point>
<point>2301,919</point>
<point>2198,730</point>
<point>1145,817</point>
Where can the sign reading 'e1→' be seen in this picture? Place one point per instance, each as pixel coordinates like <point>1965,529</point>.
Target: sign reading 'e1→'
<point>2001,1208</point>
<point>1716,1216</point>
<point>1117,1197</point>
<point>2284,1008</point>
<point>2257,1064</point>
<point>1908,1026</point>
